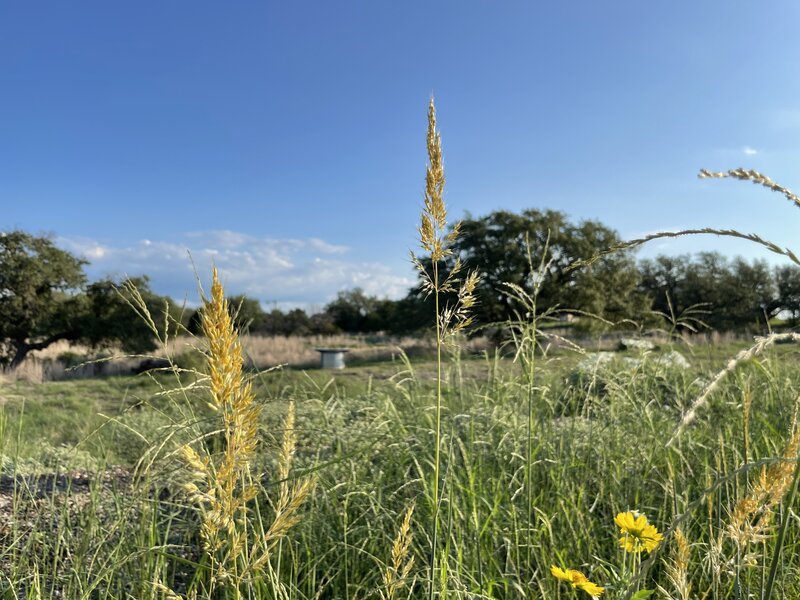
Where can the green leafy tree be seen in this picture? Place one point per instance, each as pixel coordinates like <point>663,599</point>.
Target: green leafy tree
<point>40,288</point>
<point>496,246</point>
<point>351,310</point>
<point>737,294</point>
<point>787,282</point>
<point>246,312</point>
<point>44,299</point>
<point>355,312</point>
<point>664,280</point>
<point>106,316</point>
<point>750,295</point>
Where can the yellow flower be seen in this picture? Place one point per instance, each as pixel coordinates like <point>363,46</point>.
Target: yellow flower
<point>577,580</point>
<point>637,533</point>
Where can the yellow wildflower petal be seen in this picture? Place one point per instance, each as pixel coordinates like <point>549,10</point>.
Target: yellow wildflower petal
<point>592,589</point>
<point>561,574</point>
<point>575,578</point>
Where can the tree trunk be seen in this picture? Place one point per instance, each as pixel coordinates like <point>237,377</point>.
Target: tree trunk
<point>23,348</point>
<point>19,356</point>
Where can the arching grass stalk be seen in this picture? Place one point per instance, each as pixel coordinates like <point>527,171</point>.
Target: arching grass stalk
<point>451,317</point>
<point>761,343</point>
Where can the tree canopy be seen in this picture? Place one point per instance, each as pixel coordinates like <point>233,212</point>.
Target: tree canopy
<point>498,247</point>
<point>736,294</point>
<point>44,298</point>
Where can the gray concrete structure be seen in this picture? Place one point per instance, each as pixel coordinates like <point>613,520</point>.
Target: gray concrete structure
<point>331,358</point>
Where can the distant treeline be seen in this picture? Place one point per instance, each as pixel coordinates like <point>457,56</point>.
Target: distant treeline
<point>707,290</point>
<point>45,296</point>
<point>704,290</point>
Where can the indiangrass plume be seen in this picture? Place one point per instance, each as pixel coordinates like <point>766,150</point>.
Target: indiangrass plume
<point>222,486</point>
<point>290,497</point>
<point>223,492</point>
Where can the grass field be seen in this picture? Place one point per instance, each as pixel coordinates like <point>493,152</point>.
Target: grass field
<point>115,527</point>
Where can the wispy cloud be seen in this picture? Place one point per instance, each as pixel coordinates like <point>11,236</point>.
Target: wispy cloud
<point>748,151</point>
<point>289,272</point>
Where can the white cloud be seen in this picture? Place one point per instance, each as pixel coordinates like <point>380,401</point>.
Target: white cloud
<point>748,151</point>
<point>289,272</point>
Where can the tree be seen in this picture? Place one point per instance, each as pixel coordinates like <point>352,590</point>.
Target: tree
<point>246,312</point>
<point>44,299</point>
<point>39,295</point>
<point>664,280</point>
<point>496,246</point>
<point>352,310</point>
<point>355,312</point>
<point>738,294</point>
<point>749,295</point>
<point>787,280</point>
<point>107,317</point>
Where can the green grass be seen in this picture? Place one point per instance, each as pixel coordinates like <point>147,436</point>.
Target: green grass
<point>368,435</point>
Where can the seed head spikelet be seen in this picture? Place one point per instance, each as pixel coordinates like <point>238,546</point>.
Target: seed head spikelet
<point>751,519</point>
<point>434,215</point>
<point>755,177</point>
<point>437,242</point>
<point>220,485</point>
<point>396,574</point>
<point>677,568</point>
<point>433,221</point>
<point>760,345</point>
<point>291,496</point>
<point>287,454</point>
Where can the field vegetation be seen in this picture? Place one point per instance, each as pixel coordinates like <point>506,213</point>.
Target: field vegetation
<point>535,469</point>
<point>367,434</point>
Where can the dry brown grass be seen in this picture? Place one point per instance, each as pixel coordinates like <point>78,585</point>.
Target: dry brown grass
<point>46,365</point>
<point>263,352</point>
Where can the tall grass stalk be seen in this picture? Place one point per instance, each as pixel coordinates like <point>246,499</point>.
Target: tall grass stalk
<point>436,240</point>
<point>237,549</point>
<point>526,335</point>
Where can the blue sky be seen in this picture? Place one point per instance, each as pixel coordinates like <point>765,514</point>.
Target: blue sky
<point>285,141</point>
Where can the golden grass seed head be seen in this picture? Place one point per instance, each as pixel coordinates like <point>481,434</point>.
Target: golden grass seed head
<point>433,221</point>
<point>288,444</point>
<point>395,576</point>
<point>434,177</point>
<point>755,177</point>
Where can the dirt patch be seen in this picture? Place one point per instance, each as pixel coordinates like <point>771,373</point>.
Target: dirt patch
<point>78,482</point>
